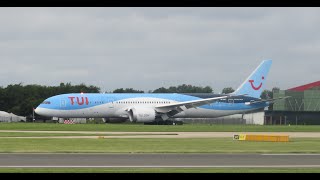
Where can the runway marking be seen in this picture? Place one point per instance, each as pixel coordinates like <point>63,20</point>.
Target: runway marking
<point>245,166</point>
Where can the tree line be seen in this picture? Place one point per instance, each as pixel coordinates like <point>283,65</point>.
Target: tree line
<point>184,88</point>
<point>21,99</point>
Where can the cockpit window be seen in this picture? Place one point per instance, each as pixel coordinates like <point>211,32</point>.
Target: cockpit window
<point>46,102</point>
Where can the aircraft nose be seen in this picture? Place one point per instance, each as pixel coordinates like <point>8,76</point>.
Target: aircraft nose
<point>37,110</point>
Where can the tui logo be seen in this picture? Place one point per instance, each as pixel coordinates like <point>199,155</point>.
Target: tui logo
<point>83,100</point>
<point>252,85</point>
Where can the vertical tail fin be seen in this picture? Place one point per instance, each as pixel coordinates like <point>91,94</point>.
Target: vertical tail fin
<point>254,84</point>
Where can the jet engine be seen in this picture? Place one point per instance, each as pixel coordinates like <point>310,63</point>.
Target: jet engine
<point>141,114</point>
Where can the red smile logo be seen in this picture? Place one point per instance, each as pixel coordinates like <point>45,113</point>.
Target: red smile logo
<point>253,87</point>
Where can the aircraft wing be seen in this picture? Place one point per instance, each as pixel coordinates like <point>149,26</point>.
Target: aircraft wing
<point>267,100</point>
<point>175,108</point>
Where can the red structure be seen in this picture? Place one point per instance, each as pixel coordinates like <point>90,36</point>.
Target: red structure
<point>305,87</point>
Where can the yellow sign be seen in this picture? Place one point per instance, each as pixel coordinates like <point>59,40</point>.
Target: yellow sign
<point>242,137</point>
<point>260,137</point>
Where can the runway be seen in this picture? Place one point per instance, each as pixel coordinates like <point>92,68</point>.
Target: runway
<point>83,160</point>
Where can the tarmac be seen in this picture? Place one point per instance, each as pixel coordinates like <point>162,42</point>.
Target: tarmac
<point>42,160</point>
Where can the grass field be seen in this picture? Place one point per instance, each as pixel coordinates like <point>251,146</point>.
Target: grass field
<point>30,134</point>
<point>37,134</point>
<point>157,145</point>
<point>159,170</point>
<point>152,145</point>
<point>158,128</point>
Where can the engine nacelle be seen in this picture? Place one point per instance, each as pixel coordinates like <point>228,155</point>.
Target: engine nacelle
<point>141,114</point>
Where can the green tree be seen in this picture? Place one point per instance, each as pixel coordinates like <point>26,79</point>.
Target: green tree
<point>227,90</point>
<point>127,90</point>
<point>266,94</point>
<point>161,90</point>
<point>184,88</point>
<point>21,100</point>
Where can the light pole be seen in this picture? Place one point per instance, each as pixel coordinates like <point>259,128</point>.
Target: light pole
<point>33,115</point>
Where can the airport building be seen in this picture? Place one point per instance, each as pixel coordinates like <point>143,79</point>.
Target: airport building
<point>301,108</point>
<point>256,118</point>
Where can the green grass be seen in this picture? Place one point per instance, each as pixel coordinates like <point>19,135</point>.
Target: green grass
<point>30,134</point>
<point>159,170</point>
<point>158,145</point>
<point>36,134</point>
<point>158,128</point>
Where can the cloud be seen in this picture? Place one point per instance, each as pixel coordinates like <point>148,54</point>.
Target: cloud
<point>146,48</point>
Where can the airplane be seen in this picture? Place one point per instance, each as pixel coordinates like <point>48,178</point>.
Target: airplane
<point>156,107</point>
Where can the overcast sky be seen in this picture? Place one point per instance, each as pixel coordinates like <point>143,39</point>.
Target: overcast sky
<point>148,48</point>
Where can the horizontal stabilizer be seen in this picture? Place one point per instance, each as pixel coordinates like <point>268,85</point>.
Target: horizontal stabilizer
<point>266,100</point>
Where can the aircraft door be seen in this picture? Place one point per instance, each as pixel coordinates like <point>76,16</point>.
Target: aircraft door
<point>63,104</point>
<point>230,102</point>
